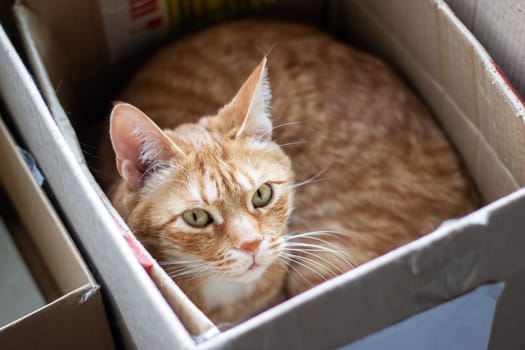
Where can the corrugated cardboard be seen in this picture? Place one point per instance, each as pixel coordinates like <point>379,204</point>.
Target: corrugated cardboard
<point>500,27</point>
<point>76,319</point>
<point>452,73</point>
<point>19,292</point>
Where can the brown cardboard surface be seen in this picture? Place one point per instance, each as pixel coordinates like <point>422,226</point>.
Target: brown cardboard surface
<point>34,260</point>
<point>70,322</point>
<point>78,317</point>
<point>455,76</point>
<point>19,292</point>
<point>500,27</point>
<point>43,224</point>
<point>86,47</point>
<point>53,72</point>
<point>133,295</point>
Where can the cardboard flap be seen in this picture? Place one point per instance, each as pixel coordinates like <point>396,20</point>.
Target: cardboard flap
<point>77,28</point>
<point>19,293</point>
<point>52,68</point>
<point>38,216</point>
<point>65,323</point>
<point>500,27</point>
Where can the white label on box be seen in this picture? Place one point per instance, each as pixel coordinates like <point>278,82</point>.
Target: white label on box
<point>131,24</point>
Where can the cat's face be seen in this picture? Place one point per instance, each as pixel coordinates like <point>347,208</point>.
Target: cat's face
<point>223,209</point>
<point>210,198</point>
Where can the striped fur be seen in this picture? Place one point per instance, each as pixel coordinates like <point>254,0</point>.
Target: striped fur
<point>372,169</point>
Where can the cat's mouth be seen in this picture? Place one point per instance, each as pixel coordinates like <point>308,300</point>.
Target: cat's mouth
<point>253,272</point>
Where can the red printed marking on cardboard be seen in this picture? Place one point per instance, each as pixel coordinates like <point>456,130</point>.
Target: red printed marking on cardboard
<point>144,260</point>
<point>141,8</point>
<point>507,83</point>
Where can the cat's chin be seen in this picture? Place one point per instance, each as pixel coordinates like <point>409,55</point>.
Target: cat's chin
<point>251,274</point>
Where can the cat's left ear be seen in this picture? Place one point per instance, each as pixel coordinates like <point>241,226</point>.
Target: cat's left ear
<point>249,111</point>
<point>139,144</point>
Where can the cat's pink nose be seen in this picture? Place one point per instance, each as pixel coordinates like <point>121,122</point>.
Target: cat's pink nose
<point>251,246</point>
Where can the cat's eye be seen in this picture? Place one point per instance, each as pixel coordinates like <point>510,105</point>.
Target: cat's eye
<point>197,217</point>
<point>262,196</point>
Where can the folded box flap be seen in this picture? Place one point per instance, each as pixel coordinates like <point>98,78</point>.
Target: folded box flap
<point>52,68</point>
<point>73,321</point>
<point>41,220</point>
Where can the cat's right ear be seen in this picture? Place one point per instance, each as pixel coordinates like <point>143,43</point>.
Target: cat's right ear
<point>248,113</point>
<point>139,144</point>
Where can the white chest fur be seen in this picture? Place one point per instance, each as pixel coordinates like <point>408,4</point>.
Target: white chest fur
<point>217,292</point>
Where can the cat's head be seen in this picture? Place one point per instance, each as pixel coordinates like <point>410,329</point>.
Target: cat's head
<point>206,198</point>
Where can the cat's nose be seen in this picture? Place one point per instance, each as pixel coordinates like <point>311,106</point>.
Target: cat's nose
<point>251,246</point>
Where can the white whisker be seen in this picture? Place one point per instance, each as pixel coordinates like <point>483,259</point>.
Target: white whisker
<point>311,179</point>
<point>324,244</point>
<point>287,124</point>
<point>285,262</point>
<point>293,143</point>
<point>339,254</point>
<point>178,262</point>
<point>313,253</point>
<point>296,259</point>
<point>300,246</point>
<point>263,136</point>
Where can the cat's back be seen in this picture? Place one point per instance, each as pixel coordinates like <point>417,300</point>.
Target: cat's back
<point>375,156</point>
<point>313,80</point>
<point>197,75</point>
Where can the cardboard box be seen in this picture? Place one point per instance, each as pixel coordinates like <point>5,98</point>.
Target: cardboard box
<point>438,56</point>
<point>73,314</point>
<point>500,27</point>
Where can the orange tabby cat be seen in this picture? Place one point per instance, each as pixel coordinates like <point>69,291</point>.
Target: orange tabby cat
<point>212,198</point>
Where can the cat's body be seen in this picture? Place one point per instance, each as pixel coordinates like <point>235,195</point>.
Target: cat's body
<point>381,171</point>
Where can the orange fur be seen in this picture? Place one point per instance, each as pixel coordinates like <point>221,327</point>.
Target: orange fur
<point>373,170</point>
